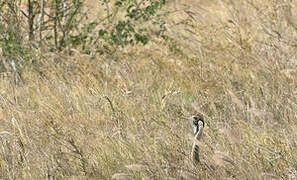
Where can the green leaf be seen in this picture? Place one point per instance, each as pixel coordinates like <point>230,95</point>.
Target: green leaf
<point>118,3</point>
<point>102,33</point>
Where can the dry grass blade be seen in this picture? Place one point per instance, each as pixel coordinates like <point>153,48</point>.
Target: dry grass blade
<point>269,176</point>
<point>189,176</point>
<point>221,159</point>
<point>136,167</point>
<point>124,109</point>
<point>236,100</point>
<point>5,133</point>
<point>121,176</point>
<point>292,173</point>
<point>229,135</point>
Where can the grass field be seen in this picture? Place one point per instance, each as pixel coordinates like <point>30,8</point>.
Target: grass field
<point>124,116</point>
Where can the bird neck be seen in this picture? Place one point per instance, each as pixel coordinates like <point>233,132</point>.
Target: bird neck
<point>199,134</point>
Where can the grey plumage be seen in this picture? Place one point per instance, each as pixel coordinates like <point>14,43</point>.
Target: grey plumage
<point>198,125</point>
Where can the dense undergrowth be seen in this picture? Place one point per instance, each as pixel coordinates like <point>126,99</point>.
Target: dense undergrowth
<point>122,114</point>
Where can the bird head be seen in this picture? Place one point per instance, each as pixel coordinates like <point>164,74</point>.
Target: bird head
<point>198,122</point>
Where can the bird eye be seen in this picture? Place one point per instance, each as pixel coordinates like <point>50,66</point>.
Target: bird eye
<point>195,122</point>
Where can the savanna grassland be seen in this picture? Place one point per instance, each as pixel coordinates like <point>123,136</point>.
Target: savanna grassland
<point>122,115</point>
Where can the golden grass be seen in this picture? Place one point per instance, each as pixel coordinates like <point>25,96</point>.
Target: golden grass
<point>124,118</point>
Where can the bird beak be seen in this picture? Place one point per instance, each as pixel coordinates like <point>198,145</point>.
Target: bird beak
<point>189,117</point>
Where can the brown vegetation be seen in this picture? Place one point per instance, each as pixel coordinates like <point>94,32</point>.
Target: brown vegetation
<point>123,116</point>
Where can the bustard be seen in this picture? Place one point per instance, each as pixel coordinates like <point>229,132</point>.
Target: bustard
<point>198,125</point>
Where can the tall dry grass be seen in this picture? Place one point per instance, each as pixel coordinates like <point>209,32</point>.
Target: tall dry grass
<point>124,118</point>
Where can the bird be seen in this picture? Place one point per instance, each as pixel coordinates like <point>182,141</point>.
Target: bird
<point>198,125</point>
